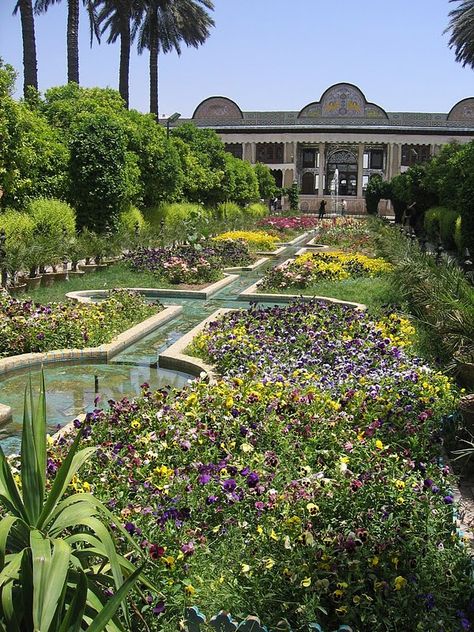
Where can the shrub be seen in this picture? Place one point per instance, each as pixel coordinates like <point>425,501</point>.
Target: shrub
<point>52,217</point>
<point>130,219</point>
<point>230,213</point>
<point>18,226</point>
<point>447,227</point>
<point>99,171</point>
<point>431,222</point>
<point>183,219</point>
<point>256,211</point>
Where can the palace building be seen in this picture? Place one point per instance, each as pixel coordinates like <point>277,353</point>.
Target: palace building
<point>341,131</point>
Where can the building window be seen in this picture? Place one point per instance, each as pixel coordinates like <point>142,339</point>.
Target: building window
<point>270,153</point>
<point>235,149</point>
<point>415,155</point>
<point>376,159</point>
<point>365,182</point>
<point>366,161</point>
<point>309,158</point>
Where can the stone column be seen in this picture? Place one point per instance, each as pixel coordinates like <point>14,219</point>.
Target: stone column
<point>246,153</point>
<point>397,159</point>
<point>388,162</point>
<point>253,147</point>
<point>288,177</point>
<point>360,168</point>
<point>322,168</point>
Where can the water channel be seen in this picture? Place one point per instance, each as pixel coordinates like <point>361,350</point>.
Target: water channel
<point>72,389</point>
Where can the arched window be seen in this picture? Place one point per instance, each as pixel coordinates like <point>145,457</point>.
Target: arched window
<point>307,184</point>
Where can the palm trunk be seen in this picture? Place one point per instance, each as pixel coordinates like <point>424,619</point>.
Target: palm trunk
<point>73,41</point>
<point>30,64</point>
<point>124,71</point>
<point>154,76</point>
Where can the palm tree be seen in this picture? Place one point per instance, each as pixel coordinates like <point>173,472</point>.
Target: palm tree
<point>42,6</point>
<point>116,16</point>
<point>163,25</point>
<point>30,64</point>
<point>461,27</point>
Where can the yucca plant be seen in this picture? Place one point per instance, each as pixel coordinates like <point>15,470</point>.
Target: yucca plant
<point>58,560</point>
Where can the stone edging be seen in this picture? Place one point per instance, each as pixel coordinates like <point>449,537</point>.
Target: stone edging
<point>273,253</point>
<point>86,296</point>
<point>248,268</point>
<point>99,354</point>
<point>296,240</point>
<point>175,359</point>
<point>314,244</point>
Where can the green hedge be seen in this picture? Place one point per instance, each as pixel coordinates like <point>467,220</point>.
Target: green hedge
<point>256,211</point>
<point>431,222</point>
<point>130,219</point>
<point>447,227</point>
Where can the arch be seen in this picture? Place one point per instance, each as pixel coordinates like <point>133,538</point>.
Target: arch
<point>342,100</point>
<point>462,111</point>
<point>217,107</point>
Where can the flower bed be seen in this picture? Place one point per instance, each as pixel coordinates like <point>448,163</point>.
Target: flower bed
<point>190,264</point>
<point>255,240</point>
<point>27,327</point>
<point>309,268</point>
<point>304,486</point>
<point>347,234</point>
<point>288,226</point>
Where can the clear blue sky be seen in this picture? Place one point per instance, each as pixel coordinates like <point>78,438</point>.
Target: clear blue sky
<point>274,55</point>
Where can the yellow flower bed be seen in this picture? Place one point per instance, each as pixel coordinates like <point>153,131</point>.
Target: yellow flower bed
<point>342,265</point>
<point>256,240</point>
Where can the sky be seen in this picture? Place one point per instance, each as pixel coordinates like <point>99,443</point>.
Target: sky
<point>273,55</point>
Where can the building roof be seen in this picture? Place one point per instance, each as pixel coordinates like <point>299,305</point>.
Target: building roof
<point>343,105</point>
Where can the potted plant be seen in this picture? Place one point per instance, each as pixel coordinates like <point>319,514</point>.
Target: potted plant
<point>34,258</point>
<point>74,251</point>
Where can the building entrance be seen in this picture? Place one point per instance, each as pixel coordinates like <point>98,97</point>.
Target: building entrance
<point>346,163</point>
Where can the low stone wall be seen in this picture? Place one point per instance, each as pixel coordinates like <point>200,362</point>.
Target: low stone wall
<point>87,296</point>
<point>175,359</point>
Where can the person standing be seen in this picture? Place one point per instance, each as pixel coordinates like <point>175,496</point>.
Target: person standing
<point>343,208</point>
<point>322,209</point>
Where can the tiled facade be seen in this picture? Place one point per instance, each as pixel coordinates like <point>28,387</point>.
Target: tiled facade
<point>341,131</point>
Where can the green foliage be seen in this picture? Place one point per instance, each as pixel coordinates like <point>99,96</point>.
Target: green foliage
<point>240,182</point>
<point>463,163</point>
<point>377,189</point>
<point>99,171</point>
<point>18,226</point>
<point>63,105</point>
<point>256,211</point>
<point>231,214</point>
<point>7,79</point>
<point>33,160</point>
<point>431,222</point>
<point>447,227</point>
<point>161,175</point>
<point>52,218</point>
<point>293,196</point>
<point>266,182</point>
<point>204,162</point>
<point>131,220</point>
<point>182,220</point>
<point>57,552</point>
<point>397,192</point>
<point>458,235</point>
<point>437,294</point>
